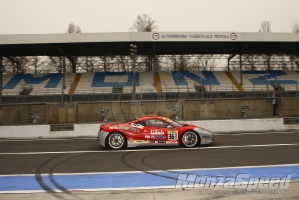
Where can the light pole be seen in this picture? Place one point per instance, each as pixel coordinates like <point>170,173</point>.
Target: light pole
<point>133,49</point>
<point>1,77</point>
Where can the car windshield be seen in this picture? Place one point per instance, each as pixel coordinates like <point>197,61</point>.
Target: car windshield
<point>178,124</point>
<point>127,121</point>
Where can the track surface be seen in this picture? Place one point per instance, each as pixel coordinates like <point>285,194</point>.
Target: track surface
<point>85,155</point>
<point>45,158</point>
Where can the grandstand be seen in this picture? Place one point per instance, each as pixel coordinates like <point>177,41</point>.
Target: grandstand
<point>148,82</point>
<point>231,44</point>
<point>98,95</point>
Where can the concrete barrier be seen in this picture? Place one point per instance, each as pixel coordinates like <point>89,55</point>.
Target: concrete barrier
<point>246,125</point>
<point>91,130</point>
<point>44,131</point>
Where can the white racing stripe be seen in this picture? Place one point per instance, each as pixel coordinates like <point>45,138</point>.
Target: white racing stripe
<point>143,150</point>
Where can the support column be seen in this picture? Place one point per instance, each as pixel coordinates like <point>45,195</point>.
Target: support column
<point>228,59</point>
<point>241,75</point>
<point>133,50</point>
<point>62,65</point>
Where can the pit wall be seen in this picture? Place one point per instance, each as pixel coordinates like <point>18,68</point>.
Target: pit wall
<point>96,112</point>
<point>91,130</point>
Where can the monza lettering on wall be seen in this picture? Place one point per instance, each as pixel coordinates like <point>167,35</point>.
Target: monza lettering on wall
<point>114,79</point>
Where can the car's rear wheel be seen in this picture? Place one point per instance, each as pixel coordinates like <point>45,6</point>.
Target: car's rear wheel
<point>116,140</point>
<point>189,139</point>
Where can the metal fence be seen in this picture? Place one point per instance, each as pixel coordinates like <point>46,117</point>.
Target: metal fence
<point>140,96</point>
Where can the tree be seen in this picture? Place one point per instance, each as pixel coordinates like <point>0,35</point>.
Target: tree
<point>144,23</point>
<point>106,63</point>
<point>250,61</point>
<point>73,29</point>
<point>121,63</point>
<point>296,28</point>
<point>265,27</point>
<point>180,62</point>
<point>203,63</point>
<point>57,64</point>
<point>37,64</point>
<point>16,65</point>
<point>87,64</point>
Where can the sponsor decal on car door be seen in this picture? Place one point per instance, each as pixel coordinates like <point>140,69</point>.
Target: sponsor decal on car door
<point>154,134</point>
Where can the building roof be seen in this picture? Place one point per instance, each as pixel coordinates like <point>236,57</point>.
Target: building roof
<point>148,43</point>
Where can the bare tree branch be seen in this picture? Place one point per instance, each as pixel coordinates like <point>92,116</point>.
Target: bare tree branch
<point>144,23</point>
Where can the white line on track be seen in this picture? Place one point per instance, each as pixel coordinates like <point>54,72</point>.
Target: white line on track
<point>156,171</point>
<point>45,139</point>
<point>95,138</point>
<point>256,133</point>
<point>142,150</point>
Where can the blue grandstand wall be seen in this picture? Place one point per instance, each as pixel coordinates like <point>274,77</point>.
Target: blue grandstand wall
<point>54,80</point>
<point>114,79</point>
<point>209,78</point>
<point>99,79</point>
<point>269,76</point>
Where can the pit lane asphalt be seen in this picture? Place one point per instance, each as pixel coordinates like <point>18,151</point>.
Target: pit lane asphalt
<point>85,155</point>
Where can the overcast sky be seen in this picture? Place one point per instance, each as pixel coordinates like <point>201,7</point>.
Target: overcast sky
<point>54,16</point>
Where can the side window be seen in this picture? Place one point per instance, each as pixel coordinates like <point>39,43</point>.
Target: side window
<point>149,123</point>
<point>143,123</point>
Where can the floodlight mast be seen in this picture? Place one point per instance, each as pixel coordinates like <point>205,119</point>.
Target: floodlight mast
<point>133,49</point>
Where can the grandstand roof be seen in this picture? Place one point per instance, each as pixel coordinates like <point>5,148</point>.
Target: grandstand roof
<point>149,43</point>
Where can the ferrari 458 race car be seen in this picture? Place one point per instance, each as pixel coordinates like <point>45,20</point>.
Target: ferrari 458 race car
<point>152,130</point>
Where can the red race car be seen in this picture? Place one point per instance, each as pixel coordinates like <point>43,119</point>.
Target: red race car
<point>152,130</point>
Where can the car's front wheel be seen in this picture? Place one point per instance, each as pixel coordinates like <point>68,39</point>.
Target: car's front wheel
<point>189,139</point>
<point>116,140</point>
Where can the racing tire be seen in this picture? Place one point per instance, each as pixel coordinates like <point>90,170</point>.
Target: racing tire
<point>116,141</point>
<point>189,139</point>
